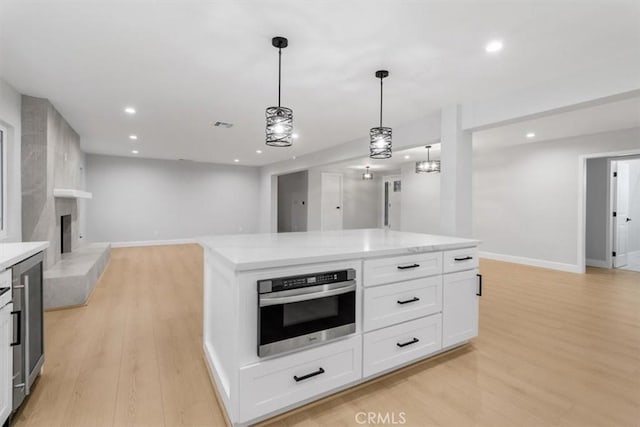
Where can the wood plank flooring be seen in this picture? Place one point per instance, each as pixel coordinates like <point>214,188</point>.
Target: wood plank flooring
<point>555,349</point>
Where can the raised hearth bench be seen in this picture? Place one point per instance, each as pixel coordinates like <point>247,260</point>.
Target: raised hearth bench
<point>416,295</point>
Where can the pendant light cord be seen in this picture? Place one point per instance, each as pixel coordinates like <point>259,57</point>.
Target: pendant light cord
<point>380,101</point>
<point>279,73</point>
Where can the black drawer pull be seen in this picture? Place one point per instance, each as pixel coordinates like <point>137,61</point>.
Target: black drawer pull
<point>19,328</point>
<point>312,374</point>
<point>467,258</point>
<point>407,301</point>
<point>479,285</point>
<point>405,267</point>
<point>404,344</point>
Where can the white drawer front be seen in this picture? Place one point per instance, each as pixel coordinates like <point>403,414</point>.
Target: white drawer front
<point>399,302</point>
<point>460,259</point>
<point>271,385</point>
<point>397,269</point>
<point>389,347</point>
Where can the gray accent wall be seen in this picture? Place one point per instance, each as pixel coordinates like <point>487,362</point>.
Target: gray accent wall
<point>141,200</point>
<point>51,158</point>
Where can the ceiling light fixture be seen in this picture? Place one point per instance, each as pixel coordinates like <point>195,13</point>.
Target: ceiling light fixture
<point>134,151</point>
<point>133,137</point>
<point>494,46</point>
<point>531,135</point>
<point>259,151</point>
<point>380,137</point>
<point>279,119</point>
<point>407,157</point>
<point>130,110</point>
<point>236,160</point>
<point>428,165</point>
<point>367,175</point>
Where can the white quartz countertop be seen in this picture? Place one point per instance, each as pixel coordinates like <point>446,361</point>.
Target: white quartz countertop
<point>257,251</point>
<point>13,253</point>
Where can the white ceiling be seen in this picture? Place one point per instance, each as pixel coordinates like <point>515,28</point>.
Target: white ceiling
<point>624,114</point>
<point>390,165</point>
<point>186,64</point>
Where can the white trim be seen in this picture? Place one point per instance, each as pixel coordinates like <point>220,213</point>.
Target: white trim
<point>152,243</point>
<point>582,199</point>
<point>597,263</point>
<point>4,226</point>
<point>70,193</point>
<point>571,268</point>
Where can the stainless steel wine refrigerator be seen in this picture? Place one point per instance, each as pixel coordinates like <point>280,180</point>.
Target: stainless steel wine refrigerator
<point>28,343</point>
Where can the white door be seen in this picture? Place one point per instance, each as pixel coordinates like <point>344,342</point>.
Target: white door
<point>459,307</point>
<point>331,201</point>
<point>392,188</point>
<point>621,218</point>
<point>6,362</point>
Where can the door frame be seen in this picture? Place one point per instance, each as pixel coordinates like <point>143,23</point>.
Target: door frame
<point>582,203</point>
<point>322,219</point>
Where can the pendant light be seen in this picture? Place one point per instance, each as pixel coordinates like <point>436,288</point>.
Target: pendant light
<point>279,119</point>
<point>367,176</point>
<point>380,137</point>
<point>428,165</point>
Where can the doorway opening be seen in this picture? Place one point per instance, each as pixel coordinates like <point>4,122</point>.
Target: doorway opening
<point>391,203</point>
<point>612,237</point>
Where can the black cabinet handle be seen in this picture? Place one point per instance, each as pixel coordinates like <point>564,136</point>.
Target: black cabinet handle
<point>18,342</point>
<point>479,284</point>
<point>312,374</point>
<point>405,267</point>
<point>404,344</point>
<point>467,258</point>
<point>628,219</point>
<point>407,301</point>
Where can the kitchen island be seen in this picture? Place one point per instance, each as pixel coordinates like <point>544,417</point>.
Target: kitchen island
<point>290,318</point>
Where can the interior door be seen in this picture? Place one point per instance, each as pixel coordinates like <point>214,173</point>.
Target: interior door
<point>621,218</point>
<point>331,201</point>
<point>391,208</point>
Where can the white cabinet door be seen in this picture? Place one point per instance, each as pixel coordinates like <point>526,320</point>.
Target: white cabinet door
<point>6,362</point>
<point>460,307</point>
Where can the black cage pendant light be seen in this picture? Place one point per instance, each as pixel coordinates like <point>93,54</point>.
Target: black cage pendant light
<point>367,175</point>
<point>279,119</point>
<point>428,165</point>
<point>380,137</point>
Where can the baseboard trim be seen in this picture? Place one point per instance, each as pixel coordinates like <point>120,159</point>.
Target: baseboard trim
<point>596,263</point>
<point>152,243</point>
<point>552,265</point>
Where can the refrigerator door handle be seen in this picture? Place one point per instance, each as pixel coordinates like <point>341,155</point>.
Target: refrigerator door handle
<point>26,335</point>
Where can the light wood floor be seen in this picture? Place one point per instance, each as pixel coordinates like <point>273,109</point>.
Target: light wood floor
<point>555,349</point>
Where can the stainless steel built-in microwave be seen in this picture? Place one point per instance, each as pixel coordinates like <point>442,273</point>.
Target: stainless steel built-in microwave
<point>299,311</point>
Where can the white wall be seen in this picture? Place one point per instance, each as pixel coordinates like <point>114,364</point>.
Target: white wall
<point>142,199</point>
<point>292,202</point>
<point>634,204</point>
<point>525,197</point>
<point>420,212</point>
<point>597,211</point>
<point>361,200</point>
<point>10,114</point>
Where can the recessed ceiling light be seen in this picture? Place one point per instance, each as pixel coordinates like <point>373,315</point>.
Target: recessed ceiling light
<point>130,110</point>
<point>236,160</point>
<point>531,135</point>
<point>494,46</point>
<point>295,136</point>
<point>407,157</point>
<point>133,137</point>
<point>294,157</point>
<point>259,151</point>
<point>134,151</point>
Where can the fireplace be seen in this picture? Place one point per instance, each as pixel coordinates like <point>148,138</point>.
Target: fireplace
<point>65,234</point>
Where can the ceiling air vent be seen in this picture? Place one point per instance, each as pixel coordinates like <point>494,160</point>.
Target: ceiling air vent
<point>223,125</point>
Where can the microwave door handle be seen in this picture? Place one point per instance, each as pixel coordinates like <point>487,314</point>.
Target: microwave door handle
<point>267,300</point>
